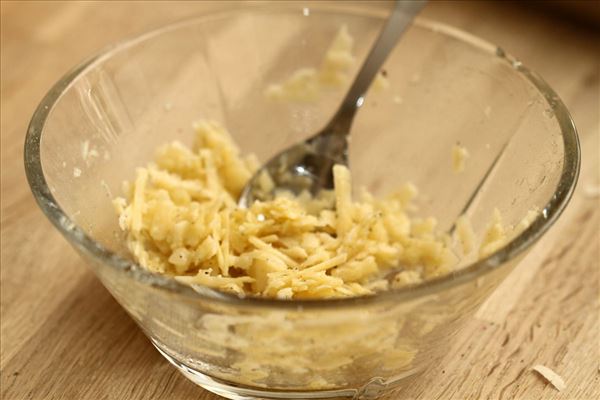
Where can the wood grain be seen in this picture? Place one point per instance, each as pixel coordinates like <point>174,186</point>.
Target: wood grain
<point>64,337</point>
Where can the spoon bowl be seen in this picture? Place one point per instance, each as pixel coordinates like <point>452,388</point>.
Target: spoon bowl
<point>306,166</point>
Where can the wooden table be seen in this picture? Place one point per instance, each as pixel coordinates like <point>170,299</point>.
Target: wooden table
<point>64,337</point>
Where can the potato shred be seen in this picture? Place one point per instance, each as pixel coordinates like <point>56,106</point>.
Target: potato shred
<point>181,218</point>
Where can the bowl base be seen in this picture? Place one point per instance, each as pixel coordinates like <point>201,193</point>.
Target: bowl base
<point>374,389</point>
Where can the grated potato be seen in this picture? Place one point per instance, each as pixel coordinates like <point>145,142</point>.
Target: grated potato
<point>494,237</point>
<point>465,234</point>
<point>181,218</point>
<point>459,158</point>
<point>550,376</point>
<point>380,82</point>
<point>306,84</point>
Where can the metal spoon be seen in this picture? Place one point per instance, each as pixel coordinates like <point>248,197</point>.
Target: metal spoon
<point>308,165</point>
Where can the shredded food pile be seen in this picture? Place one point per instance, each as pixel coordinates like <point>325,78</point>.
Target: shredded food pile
<point>181,218</point>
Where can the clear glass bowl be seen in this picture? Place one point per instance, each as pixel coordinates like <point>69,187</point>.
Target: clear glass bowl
<point>109,114</point>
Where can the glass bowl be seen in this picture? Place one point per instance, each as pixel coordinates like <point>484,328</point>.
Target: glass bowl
<point>108,115</point>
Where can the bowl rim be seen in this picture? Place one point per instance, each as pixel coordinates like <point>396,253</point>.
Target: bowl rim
<point>84,243</point>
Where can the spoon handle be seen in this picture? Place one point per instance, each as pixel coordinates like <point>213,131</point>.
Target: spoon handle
<point>401,17</point>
